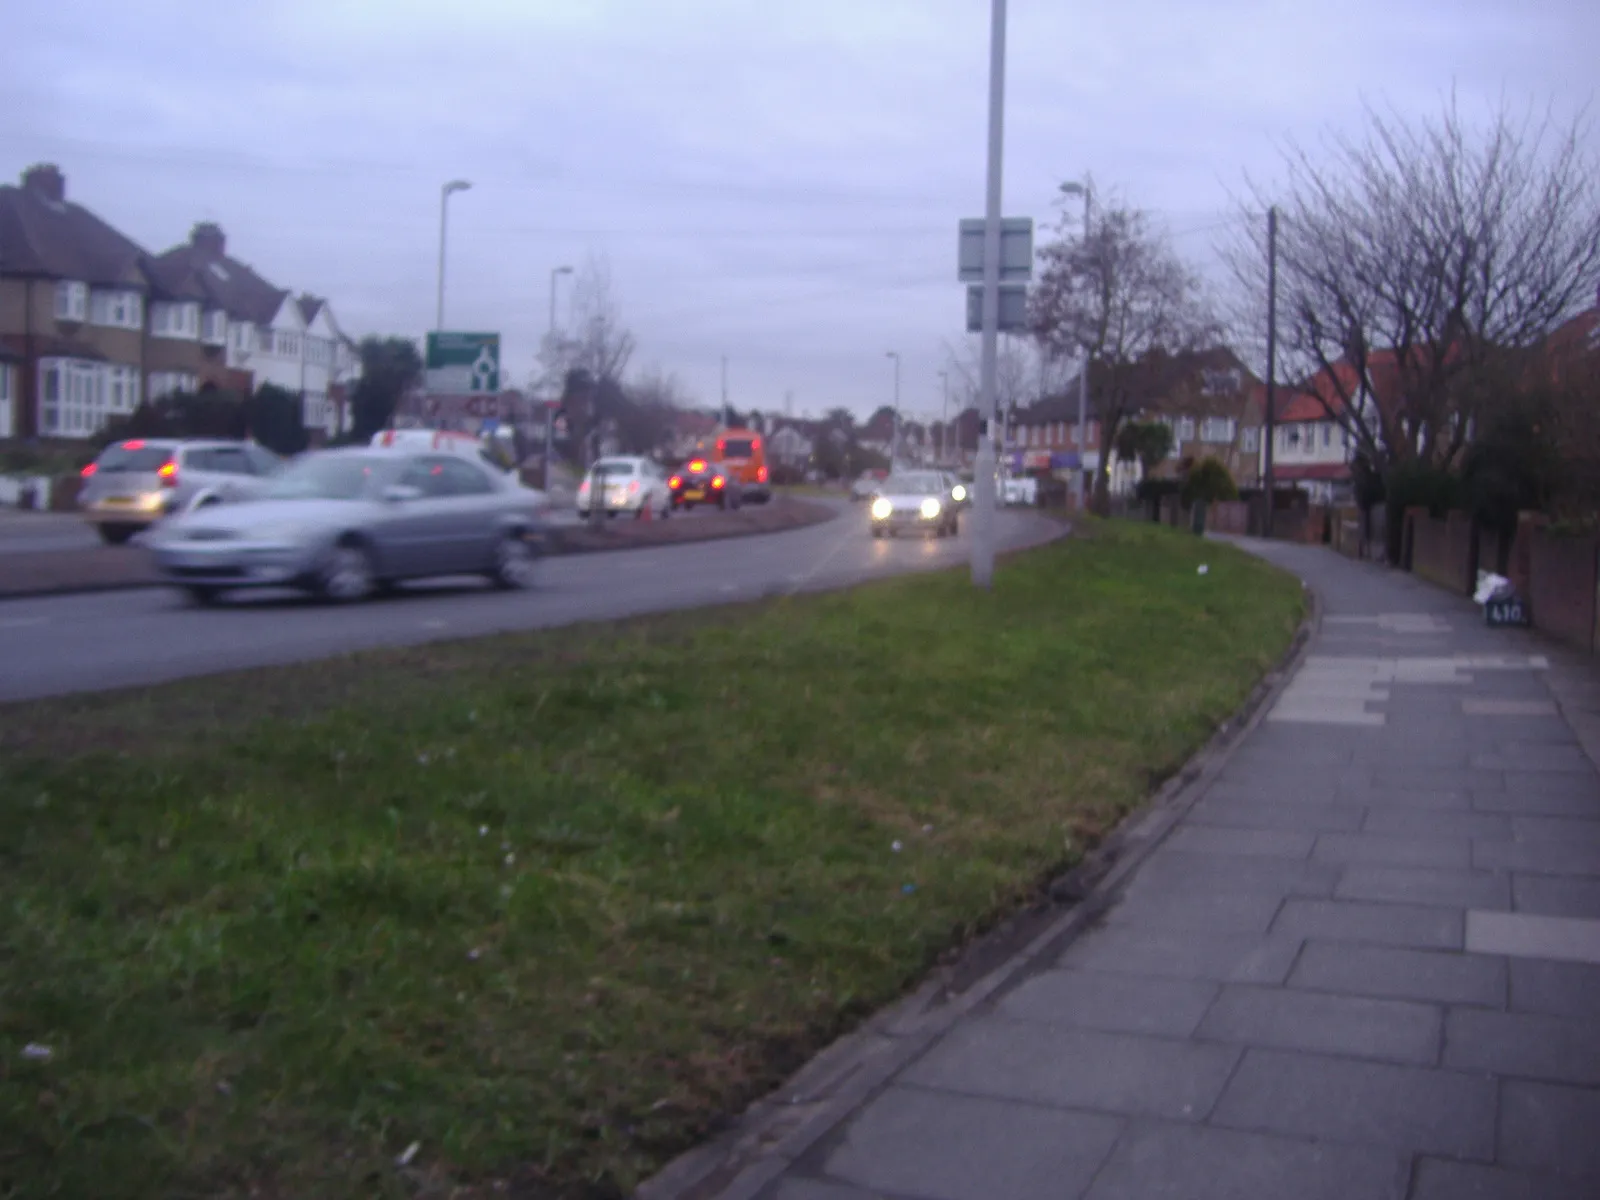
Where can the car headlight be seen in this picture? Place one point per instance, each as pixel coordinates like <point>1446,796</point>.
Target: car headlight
<point>930,509</point>
<point>882,510</point>
<point>958,493</point>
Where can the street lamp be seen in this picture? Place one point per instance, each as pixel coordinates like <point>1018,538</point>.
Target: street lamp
<point>455,185</point>
<point>1086,190</point>
<point>894,444</point>
<point>549,409</point>
<point>983,500</point>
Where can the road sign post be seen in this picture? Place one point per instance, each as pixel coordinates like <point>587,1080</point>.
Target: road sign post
<point>462,363</point>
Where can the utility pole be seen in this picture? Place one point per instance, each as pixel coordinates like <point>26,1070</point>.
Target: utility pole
<point>1072,189</point>
<point>455,185</point>
<point>944,419</point>
<point>983,507</point>
<point>1272,360</point>
<point>726,420</point>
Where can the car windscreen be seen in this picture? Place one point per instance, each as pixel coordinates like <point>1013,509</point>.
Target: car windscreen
<point>913,485</point>
<point>738,448</point>
<point>614,466</point>
<point>341,477</point>
<point>131,457</point>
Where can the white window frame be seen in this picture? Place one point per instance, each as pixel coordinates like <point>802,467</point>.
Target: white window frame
<point>72,300</point>
<point>1184,432</point>
<point>314,410</point>
<point>214,327</point>
<point>1217,431</point>
<point>8,412</point>
<point>1250,439</point>
<point>165,383</point>
<point>72,397</point>
<point>116,309</point>
<point>179,320</point>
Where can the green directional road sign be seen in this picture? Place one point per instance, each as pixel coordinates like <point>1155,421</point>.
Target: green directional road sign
<point>462,364</point>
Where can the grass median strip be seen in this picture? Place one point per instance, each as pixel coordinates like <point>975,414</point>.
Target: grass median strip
<point>539,910</point>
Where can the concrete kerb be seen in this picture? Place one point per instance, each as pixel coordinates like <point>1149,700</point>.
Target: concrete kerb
<point>785,1125</point>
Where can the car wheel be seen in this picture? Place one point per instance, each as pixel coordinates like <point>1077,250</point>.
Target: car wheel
<point>116,535</point>
<point>347,574</point>
<point>202,596</point>
<point>514,563</point>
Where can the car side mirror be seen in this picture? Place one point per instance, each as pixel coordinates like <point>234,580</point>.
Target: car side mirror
<point>399,493</point>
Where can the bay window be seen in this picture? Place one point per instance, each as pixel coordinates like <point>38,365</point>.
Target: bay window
<point>180,320</point>
<point>214,329</point>
<point>72,397</point>
<point>164,383</point>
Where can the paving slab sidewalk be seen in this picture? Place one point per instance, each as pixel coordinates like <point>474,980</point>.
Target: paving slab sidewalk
<point>1364,966</point>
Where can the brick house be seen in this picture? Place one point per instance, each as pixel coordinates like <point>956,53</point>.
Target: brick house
<point>73,296</point>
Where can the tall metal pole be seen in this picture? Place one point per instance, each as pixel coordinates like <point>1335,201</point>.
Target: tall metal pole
<point>455,185</point>
<point>1272,360</point>
<point>1083,377</point>
<point>894,437</point>
<point>983,508</point>
<point>726,420</point>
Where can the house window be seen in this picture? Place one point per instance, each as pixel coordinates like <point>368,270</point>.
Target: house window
<point>116,310</point>
<point>175,321</point>
<point>122,389</point>
<point>264,340</point>
<point>1185,430</point>
<point>314,410</point>
<point>1327,435</point>
<point>1219,383</point>
<point>1250,440</point>
<point>1217,430</point>
<point>289,345</point>
<point>72,301</point>
<point>1289,437</point>
<point>214,331</point>
<point>72,397</point>
<point>8,419</point>
<point>165,383</point>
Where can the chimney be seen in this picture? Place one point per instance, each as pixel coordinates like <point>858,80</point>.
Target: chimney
<point>46,181</point>
<point>207,238</point>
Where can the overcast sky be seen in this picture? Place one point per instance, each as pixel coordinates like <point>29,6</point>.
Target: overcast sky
<point>777,181</point>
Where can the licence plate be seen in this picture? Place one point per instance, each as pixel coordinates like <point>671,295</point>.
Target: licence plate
<point>696,494</point>
<point>118,501</point>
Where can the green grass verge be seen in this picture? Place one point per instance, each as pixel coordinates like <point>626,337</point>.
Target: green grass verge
<point>553,905</point>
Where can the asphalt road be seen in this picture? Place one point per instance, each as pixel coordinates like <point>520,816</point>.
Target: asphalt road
<point>57,645</point>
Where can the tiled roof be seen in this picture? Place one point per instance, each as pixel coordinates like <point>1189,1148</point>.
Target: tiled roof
<point>44,235</point>
<point>199,269</point>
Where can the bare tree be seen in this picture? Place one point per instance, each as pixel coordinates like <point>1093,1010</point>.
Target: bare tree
<point>1419,262</point>
<point>596,342</point>
<point>1122,296</point>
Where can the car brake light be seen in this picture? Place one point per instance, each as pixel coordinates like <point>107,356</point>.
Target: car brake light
<point>761,475</point>
<point>89,470</point>
<point>633,487</point>
<point>168,471</point>
<point>675,482</point>
<point>697,466</point>
<point>136,444</point>
<point>717,482</point>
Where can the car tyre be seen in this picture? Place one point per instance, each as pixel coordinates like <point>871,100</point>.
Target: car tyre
<point>347,574</point>
<point>515,562</point>
<point>116,535</point>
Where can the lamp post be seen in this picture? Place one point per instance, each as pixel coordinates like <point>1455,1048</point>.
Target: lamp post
<point>455,185</point>
<point>983,507</point>
<point>1086,190</point>
<point>894,443</point>
<point>549,409</point>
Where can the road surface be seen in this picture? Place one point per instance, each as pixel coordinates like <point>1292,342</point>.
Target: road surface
<point>57,645</point>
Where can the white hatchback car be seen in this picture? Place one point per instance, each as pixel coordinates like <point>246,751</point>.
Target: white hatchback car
<point>632,485</point>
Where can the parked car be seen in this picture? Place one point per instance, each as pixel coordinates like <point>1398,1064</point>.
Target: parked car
<point>744,453</point>
<point>915,500</point>
<point>343,523</point>
<point>135,483</point>
<point>700,481</point>
<point>866,484</point>
<point>632,485</point>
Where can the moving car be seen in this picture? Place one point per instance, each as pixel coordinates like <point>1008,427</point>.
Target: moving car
<point>915,500</point>
<point>445,440</point>
<point>744,453</point>
<point>343,523</point>
<point>632,485</point>
<point>700,481</point>
<point>135,483</point>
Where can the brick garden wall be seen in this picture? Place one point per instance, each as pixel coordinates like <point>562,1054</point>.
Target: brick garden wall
<point>1561,590</point>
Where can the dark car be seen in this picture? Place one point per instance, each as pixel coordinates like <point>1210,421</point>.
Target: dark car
<point>701,481</point>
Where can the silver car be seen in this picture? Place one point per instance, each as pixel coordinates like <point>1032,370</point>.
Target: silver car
<point>920,501</point>
<point>344,523</point>
<point>135,483</point>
